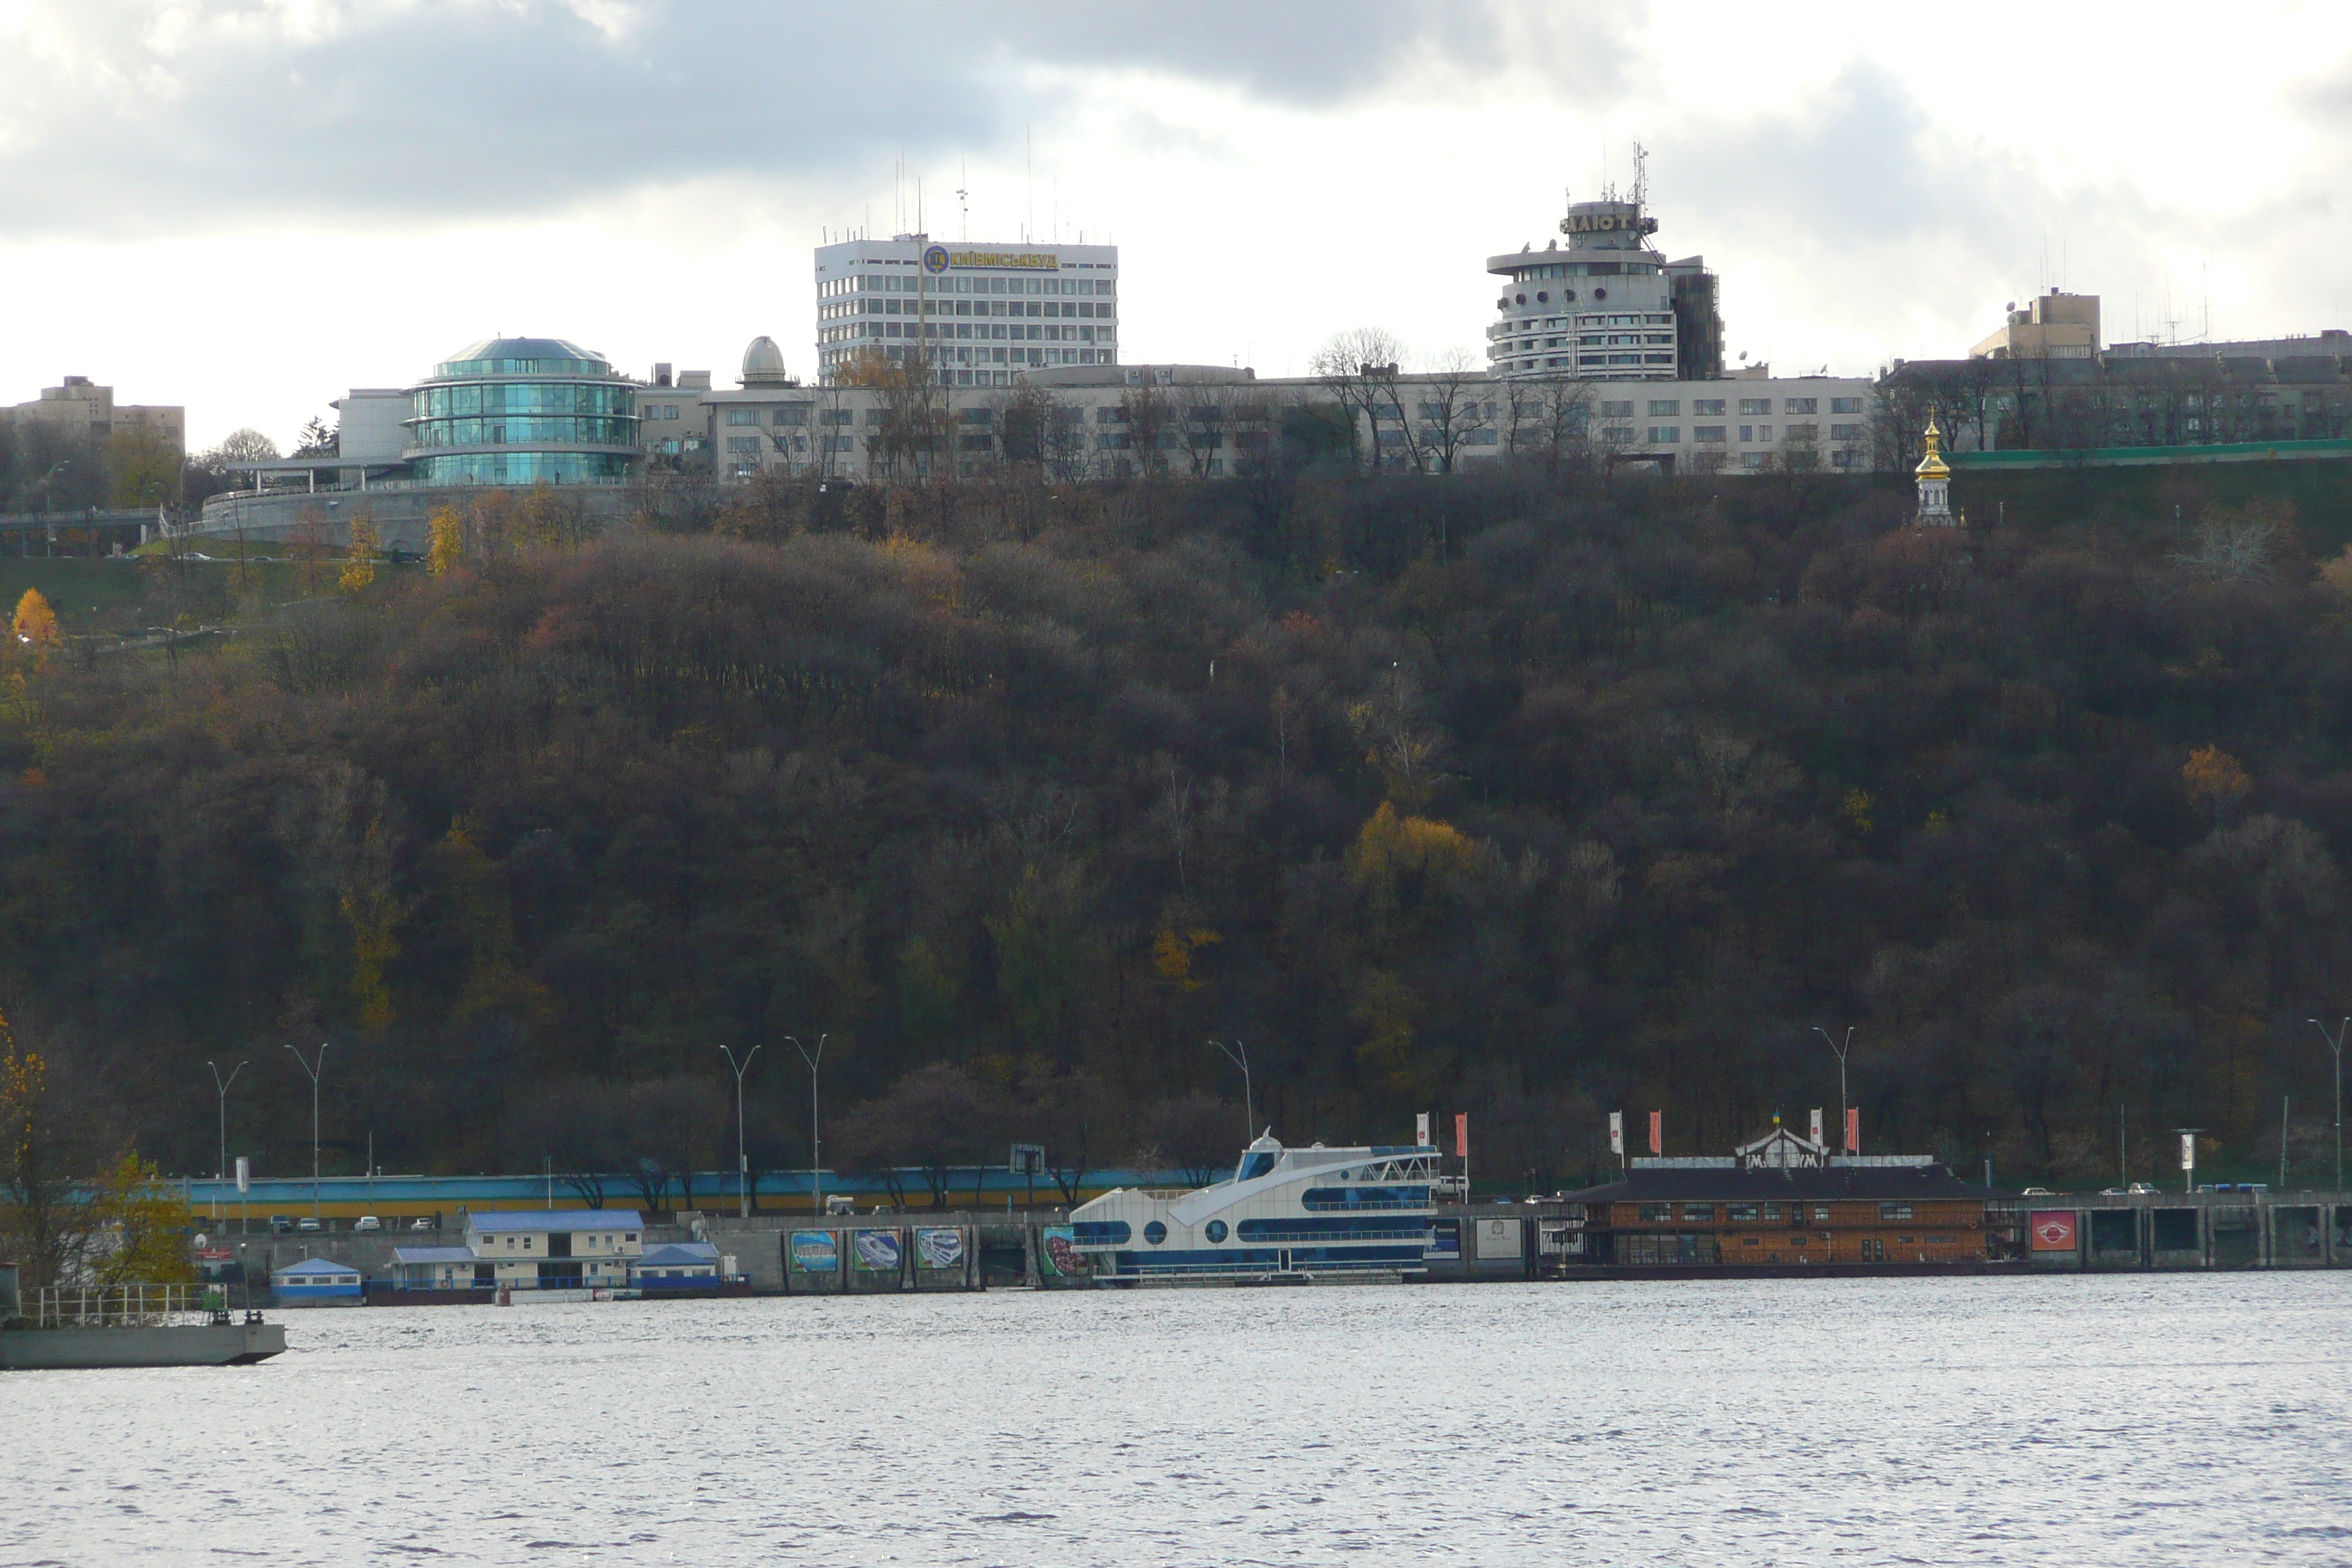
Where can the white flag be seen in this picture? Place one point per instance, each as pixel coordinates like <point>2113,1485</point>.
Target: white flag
<point>2188,1151</point>
<point>1616,1132</point>
<point>1421,1129</point>
<point>1817,1126</point>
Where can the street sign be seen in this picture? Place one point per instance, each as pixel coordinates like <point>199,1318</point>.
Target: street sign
<point>1028,1158</point>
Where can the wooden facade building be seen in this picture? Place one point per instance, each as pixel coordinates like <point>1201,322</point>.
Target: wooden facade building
<point>1781,1202</point>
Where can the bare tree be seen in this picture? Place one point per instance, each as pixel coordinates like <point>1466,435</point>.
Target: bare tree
<point>1359,366</point>
<point>1452,413</point>
<point>1151,420</point>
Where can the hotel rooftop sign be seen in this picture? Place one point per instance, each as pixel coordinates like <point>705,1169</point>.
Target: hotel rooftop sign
<point>938,259</point>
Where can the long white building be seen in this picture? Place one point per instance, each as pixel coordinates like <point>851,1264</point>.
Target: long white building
<point>979,310</point>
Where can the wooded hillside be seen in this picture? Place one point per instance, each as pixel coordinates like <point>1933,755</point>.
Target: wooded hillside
<point>1533,797</point>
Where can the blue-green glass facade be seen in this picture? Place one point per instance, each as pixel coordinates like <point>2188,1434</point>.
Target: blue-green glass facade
<point>517,410</point>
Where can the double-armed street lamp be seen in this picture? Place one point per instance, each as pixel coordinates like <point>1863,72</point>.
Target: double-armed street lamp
<point>816,1165</point>
<point>314,1070</point>
<point>743,1164</point>
<point>1841,1050</point>
<point>220,1087</point>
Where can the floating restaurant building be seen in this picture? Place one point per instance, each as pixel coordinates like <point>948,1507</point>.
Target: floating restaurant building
<point>1782,1201</point>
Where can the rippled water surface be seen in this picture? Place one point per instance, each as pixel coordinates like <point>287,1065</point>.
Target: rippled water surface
<point>2181,1419</point>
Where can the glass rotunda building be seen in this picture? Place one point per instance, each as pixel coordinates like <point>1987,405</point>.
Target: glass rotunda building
<point>515,411</point>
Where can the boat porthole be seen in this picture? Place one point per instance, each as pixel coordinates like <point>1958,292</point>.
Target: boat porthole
<point>1215,1230</point>
<point>1155,1233</point>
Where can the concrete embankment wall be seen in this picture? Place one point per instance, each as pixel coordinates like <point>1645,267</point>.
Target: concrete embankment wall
<point>2161,1232</point>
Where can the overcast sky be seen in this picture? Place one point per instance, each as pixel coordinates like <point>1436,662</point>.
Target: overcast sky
<point>249,208</point>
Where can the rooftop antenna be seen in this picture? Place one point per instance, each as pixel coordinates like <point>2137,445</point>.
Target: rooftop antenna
<point>918,203</point>
<point>1641,173</point>
<point>1029,183</point>
<point>963,201</point>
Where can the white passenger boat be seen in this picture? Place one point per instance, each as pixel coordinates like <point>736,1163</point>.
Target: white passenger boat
<point>1285,1214</point>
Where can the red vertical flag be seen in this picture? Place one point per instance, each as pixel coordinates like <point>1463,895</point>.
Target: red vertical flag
<point>1657,1132</point>
<point>1462,1135</point>
<point>1854,1130</point>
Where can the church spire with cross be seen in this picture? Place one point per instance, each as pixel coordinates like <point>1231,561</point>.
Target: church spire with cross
<point>1934,483</point>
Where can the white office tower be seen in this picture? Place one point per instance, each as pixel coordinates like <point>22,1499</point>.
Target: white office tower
<point>1606,307</point>
<point>978,312</point>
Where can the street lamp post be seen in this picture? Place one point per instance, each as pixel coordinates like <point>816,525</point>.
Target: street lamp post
<point>1238,1054</point>
<point>220,1086</point>
<point>1841,1050</point>
<point>743,1164</point>
<point>816,1165</point>
<point>2336,1044</point>
<point>314,1070</point>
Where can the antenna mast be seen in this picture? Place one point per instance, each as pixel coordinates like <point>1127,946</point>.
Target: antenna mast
<point>1641,173</point>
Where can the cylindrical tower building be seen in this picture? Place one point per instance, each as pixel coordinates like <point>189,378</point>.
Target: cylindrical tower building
<point>1606,308</point>
<point>515,411</point>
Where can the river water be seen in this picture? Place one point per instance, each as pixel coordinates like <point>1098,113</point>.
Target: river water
<point>2141,1420</point>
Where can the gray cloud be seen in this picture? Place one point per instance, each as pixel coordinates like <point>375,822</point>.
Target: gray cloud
<point>1859,199</point>
<point>139,118</point>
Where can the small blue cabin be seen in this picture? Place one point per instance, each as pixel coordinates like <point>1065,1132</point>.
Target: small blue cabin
<point>316,1280</point>
<point>679,1265</point>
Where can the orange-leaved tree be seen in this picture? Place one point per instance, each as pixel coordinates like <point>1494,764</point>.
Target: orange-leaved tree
<point>35,626</point>
<point>2214,780</point>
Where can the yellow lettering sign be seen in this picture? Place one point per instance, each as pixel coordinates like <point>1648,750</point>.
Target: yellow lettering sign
<point>1025,260</point>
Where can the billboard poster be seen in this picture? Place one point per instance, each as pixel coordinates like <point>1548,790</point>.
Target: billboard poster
<point>1445,1241</point>
<point>876,1251</point>
<point>814,1252</point>
<point>1499,1237</point>
<point>941,1249</point>
<point>1057,1256</point>
<point>2052,1230</point>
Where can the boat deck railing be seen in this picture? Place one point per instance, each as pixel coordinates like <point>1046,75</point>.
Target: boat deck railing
<point>125,1306</point>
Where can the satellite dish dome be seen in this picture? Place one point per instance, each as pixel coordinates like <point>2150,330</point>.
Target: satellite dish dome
<point>763,364</point>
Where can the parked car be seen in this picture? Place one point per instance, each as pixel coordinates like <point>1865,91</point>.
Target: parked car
<point>840,1202</point>
<point>420,1223</point>
<point>282,1224</point>
<point>367,1222</point>
<point>2139,1187</point>
<point>307,1224</point>
<point>2040,1193</point>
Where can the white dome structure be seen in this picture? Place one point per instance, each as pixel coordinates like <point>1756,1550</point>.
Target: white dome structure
<point>763,364</point>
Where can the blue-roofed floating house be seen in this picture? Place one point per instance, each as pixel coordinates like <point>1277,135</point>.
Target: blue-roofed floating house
<point>317,1281</point>
<point>679,1265</point>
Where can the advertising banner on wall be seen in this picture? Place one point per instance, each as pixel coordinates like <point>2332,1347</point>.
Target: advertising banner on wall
<point>1499,1237</point>
<point>876,1251</point>
<point>1055,1254</point>
<point>2052,1230</point>
<point>814,1252</point>
<point>1445,1240</point>
<point>939,1248</point>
